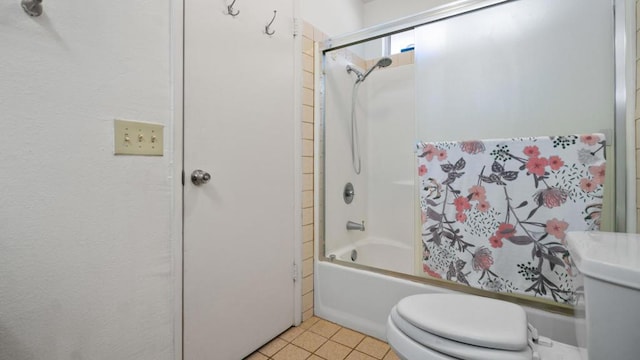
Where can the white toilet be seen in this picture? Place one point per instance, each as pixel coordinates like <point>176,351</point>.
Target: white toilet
<point>457,326</point>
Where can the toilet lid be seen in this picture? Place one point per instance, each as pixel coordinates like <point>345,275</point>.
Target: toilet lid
<point>445,348</point>
<point>469,319</point>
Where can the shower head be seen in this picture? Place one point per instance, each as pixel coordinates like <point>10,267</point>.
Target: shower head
<point>383,62</point>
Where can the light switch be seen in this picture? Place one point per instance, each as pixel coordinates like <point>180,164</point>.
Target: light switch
<point>138,138</point>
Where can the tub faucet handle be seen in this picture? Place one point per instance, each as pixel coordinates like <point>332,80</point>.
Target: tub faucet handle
<point>352,225</point>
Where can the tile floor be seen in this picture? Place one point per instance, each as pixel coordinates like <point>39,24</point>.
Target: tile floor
<point>319,339</point>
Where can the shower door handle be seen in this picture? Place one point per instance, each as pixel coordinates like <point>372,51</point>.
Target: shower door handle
<point>199,177</point>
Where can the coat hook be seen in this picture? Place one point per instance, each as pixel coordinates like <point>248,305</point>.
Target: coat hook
<point>32,7</point>
<point>230,10</point>
<point>266,28</point>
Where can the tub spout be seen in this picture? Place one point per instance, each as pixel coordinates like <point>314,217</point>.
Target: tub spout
<point>351,225</point>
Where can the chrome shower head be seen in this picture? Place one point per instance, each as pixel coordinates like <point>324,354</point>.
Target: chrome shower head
<point>383,62</point>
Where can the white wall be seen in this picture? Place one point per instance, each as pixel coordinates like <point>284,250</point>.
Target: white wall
<point>391,156</point>
<point>334,17</point>
<point>86,267</point>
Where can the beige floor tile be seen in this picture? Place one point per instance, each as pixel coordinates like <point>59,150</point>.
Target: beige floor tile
<point>309,322</point>
<point>273,347</point>
<point>373,347</point>
<point>309,341</point>
<point>357,355</point>
<point>256,356</point>
<point>315,357</point>
<point>292,333</point>
<point>325,328</point>
<point>333,351</point>
<point>391,356</point>
<point>291,352</point>
<point>347,337</point>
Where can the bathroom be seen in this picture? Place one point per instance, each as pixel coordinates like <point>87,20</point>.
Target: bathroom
<point>92,246</point>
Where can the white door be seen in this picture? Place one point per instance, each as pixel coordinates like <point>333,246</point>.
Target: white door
<point>239,127</point>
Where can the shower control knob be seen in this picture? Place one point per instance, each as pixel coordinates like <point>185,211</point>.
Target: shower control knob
<point>199,177</point>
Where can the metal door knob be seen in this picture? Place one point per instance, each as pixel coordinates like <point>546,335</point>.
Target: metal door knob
<point>199,177</point>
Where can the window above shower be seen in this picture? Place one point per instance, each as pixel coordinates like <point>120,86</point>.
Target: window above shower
<point>398,43</point>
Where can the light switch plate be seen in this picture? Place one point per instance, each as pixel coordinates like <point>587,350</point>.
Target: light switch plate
<point>138,138</point>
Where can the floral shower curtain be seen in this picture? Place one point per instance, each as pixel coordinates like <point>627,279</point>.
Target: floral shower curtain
<point>495,212</point>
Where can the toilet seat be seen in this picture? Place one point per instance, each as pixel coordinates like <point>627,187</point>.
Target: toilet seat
<point>439,347</point>
<point>407,349</point>
<point>471,320</point>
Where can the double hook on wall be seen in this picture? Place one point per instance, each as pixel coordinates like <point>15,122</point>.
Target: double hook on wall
<point>234,12</point>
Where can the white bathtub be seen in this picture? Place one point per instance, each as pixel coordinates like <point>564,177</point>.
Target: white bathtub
<point>380,253</point>
<point>362,300</point>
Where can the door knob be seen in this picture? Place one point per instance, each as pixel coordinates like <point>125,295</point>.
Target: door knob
<point>199,177</point>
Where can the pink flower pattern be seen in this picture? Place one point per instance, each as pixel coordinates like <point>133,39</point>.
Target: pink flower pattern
<point>598,172</point>
<point>556,228</point>
<point>590,139</point>
<point>555,163</point>
<point>537,165</point>
<point>485,201</point>
<point>422,170</point>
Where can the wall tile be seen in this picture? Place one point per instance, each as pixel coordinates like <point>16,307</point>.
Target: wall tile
<point>307,315</point>
<point>307,267</point>
<point>638,171</point>
<point>319,36</point>
<point>307,216</point>
<point>307,131</point>
<point>637,14</point>
<point>307,80</point>
<point>307,182</point>
<point>307,113</point>
<point>307,231</point>
<point>307,147</point>
<point>307,301</point>
<point>307,46</point>
<point>307,250</point>
<point>307,63</point>
<point>307,30</point>
<point>307,199</point>
<point>307,97</point>
<point>307,284</point>
<point>307,165</point>
<point>637,47</point>
<point>637,134</point>
<point>637,74</point>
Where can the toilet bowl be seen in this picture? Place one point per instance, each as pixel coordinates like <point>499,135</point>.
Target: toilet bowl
<point>468,327</point>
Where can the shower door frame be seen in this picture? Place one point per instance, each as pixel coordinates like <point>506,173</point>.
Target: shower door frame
<point>622,112</point>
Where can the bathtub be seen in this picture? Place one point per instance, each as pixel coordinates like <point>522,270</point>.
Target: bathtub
<point>380,253</point>
<point>362,299</point>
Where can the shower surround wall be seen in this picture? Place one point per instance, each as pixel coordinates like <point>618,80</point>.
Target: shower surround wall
<point>87,238</point>
<point>385,114</point>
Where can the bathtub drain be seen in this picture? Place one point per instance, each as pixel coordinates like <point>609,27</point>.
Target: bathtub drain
<point>354,255</point>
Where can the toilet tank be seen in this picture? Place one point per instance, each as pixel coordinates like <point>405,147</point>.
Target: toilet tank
<point>610,264</point>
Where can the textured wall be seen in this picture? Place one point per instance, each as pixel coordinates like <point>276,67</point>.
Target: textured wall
<point>334,17</point>
<point>85,244</point>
